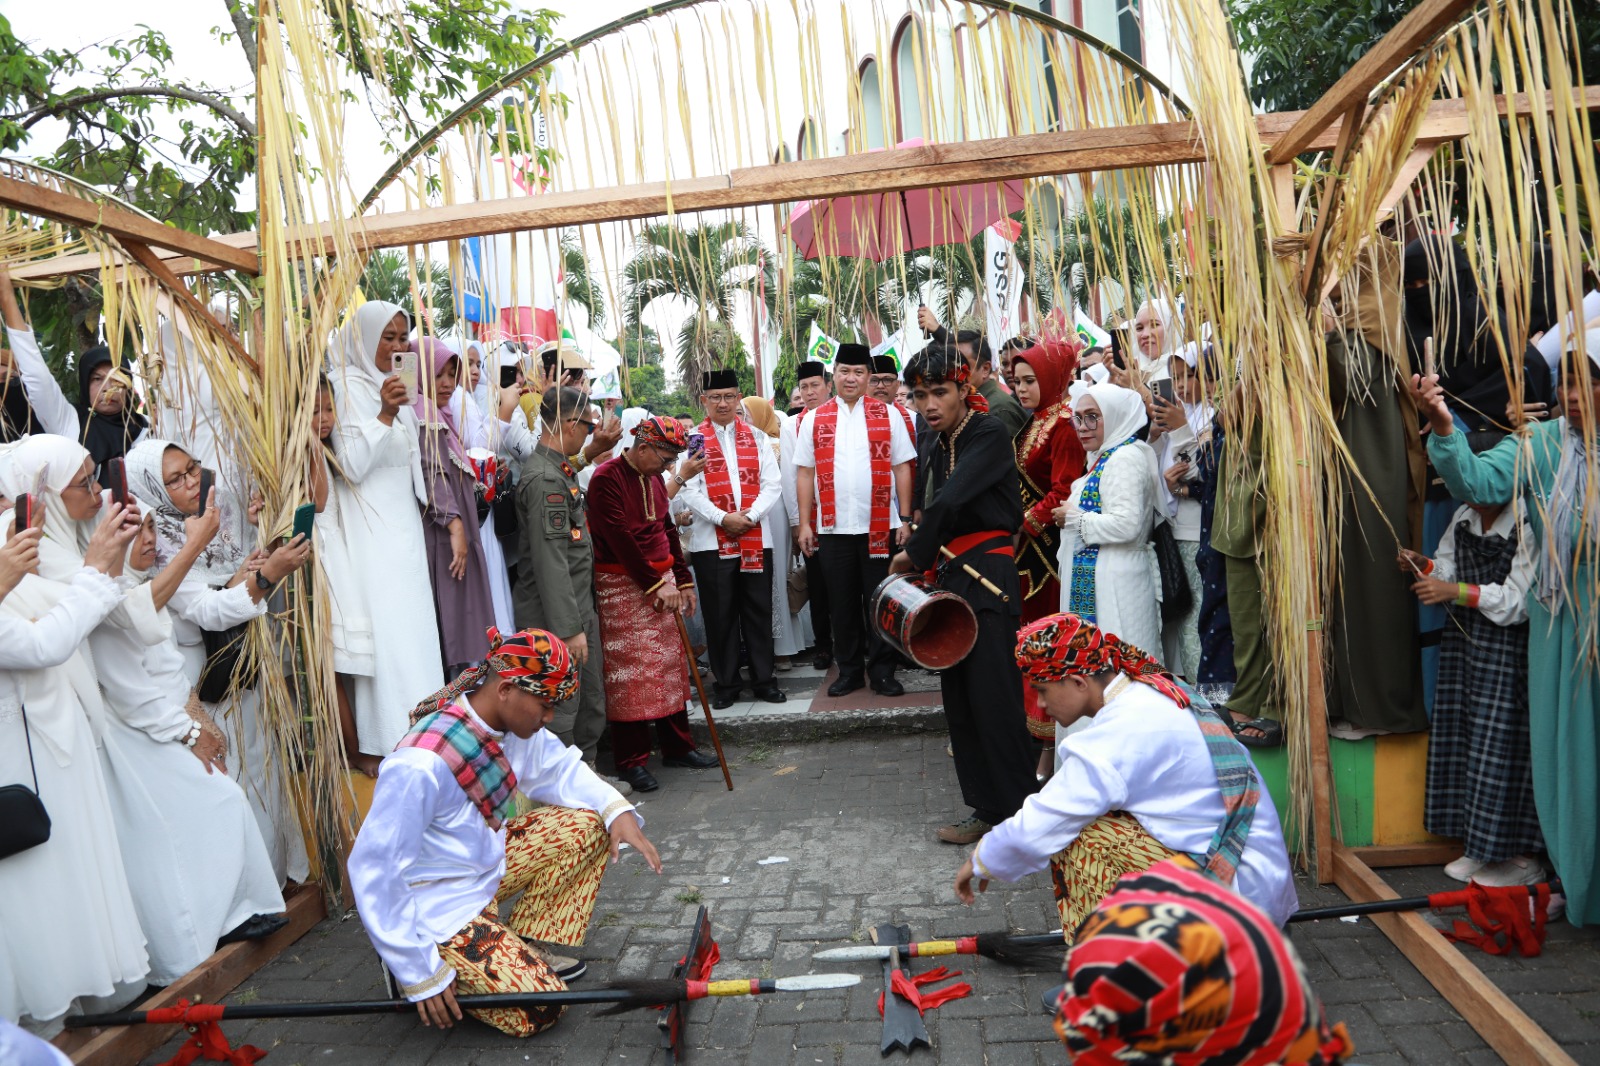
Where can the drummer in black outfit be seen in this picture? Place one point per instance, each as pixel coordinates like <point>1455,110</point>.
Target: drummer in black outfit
<point>974,508</point>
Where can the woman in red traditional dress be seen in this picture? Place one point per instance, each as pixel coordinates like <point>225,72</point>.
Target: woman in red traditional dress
<point>1049,460</point>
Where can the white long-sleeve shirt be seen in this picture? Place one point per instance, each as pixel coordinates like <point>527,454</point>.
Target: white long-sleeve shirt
<point>696,494</point>
<point>1506,603</point>
<point>1143,754</point>
<point>50,407</point>
<point>426,862</point>
<point>852,464</point>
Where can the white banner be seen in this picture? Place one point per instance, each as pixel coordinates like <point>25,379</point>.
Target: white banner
<point>1002,282</point>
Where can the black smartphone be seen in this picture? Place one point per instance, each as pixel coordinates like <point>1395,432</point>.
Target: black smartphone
<point>508,377</point>
<point>23,506</point>
<point>207,480</point>
<point>117,480</point>
<point>304,517</point>
<point>1163,389</point>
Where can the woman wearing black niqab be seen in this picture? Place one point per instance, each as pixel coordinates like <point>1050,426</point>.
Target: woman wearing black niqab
<point>108,422</point>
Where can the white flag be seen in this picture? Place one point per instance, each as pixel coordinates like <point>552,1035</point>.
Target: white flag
<point>1089,333</point>
<point>1002,282</point>
<point>822,347</point>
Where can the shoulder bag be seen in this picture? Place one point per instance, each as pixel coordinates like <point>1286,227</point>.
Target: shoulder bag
<point>24,823</point>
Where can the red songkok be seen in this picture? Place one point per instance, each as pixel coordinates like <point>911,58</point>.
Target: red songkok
<point>662,432</point>
<point>1064,645</point>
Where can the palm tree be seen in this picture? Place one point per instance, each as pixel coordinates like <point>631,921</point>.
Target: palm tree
<point>388,278</point>
<point>1100,242</point>
<point>579,283</point>
<point>708,266</point>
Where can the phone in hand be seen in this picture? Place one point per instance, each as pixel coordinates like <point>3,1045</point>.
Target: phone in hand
<point>1163,389</point>
<point>405,368</point>
<point>208,479</point>
<point>305,516</point>
<point>508,377</point>
<point>117,480</point>
<point>697,445</point>
<point>23,510</point>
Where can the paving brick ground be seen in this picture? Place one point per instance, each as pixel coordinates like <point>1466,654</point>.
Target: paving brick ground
<point>854,819</point>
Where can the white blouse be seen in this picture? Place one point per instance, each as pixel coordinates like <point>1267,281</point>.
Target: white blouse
<point>1143,754</point>
<point>1506,603</point>
<point>426,862</point>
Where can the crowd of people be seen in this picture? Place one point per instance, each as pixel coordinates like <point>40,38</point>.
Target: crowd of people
<point>1083,501</point>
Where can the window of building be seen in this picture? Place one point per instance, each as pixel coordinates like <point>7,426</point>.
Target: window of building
<point>870,131</point>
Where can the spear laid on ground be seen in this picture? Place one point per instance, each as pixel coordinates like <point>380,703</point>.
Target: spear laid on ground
<point>621,995</point>
<point>1029,949</point>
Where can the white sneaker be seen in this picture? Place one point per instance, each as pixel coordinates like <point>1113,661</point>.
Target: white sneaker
<point>1462,869</point>
<point>1521,870</point>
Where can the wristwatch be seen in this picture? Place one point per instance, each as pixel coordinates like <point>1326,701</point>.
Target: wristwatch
<point>262,583</point>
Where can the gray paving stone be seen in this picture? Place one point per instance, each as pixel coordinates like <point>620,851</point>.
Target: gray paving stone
<point>855,820</point>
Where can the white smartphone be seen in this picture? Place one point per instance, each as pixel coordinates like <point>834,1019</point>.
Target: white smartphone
<point>405,367</point>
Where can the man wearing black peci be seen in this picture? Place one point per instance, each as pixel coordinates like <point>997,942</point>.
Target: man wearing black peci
<point>973,507</point>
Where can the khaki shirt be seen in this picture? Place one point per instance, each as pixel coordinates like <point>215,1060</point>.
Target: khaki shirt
<point>555,579</point>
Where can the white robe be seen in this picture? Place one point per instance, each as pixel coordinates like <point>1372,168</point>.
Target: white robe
<point>251,762</point>
<point>425,862</point>
<point>194,856</point>
<point>1125,588</point>
<point>388,557</point>
<point>68,928</point>
<point>349,624</point>
<point>1143,754</point>
<point>791,630</point>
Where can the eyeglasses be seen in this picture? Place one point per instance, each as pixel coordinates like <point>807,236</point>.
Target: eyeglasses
<point>722,399</point>
<point>884,379</point>
<point>190,471</point>
<point>1087,420</point>
<point>585,423</point>
<point>88,484</point>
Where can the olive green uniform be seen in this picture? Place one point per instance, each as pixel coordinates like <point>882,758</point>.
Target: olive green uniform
<point>555,584</point>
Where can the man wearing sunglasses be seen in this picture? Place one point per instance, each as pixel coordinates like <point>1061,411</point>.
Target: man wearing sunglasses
<point>555,581</point>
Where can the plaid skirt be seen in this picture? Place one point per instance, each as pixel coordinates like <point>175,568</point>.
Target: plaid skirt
<point>646,676</point>
<point>1480,772</point>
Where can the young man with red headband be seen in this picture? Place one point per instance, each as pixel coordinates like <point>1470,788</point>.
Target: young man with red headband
<point>972,508</point>
<point>443,845</point>
<point>1155,774</point>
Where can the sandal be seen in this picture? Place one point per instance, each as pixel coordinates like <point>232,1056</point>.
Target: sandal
<point>1271,732</point>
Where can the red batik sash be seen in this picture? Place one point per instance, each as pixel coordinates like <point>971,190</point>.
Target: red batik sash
<point>911,423</point>
<point>719,487</point>
<point>878,452</point>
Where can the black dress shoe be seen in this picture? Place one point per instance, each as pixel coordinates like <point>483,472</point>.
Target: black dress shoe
<point>692,760</point>
<point>721,700</point>
<point>255,927</point>
<point>822,660</point>
<point>888,687</point>
<point>846,685</point>
<point>771,694</point>
<point>640,779</point>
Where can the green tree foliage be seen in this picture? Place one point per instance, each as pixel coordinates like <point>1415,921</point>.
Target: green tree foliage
<point>388,278</point>
<point>581,286</point>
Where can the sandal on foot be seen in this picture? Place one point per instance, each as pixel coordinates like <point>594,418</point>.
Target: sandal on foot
<point>1271,732</point>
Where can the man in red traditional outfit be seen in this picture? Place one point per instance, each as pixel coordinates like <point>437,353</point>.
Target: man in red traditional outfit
<point>853,457</point>
<point>728,543</point>
<point>641,581</point>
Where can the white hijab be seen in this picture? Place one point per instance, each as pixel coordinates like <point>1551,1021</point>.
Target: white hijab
<point>221,558</point>
<point>357,383</point>
<point>1122,414</point>
<point>1168,319</point>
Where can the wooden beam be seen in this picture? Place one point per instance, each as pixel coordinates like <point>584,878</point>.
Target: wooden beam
<point>224,971</point>
<point>1422,24</point>
<point>1378,856</point>
<point>1505,1026</point>
<point>187,300</point>
<point>90,262</point>
<point>37,200</point>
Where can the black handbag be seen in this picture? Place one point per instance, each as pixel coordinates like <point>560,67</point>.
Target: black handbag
<point>1176,595</point>
<point>223,649</point>
<point>24,823</point>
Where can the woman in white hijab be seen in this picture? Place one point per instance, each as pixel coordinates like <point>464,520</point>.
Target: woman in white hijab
<point>226,586</point>
<point>1155,336</point>
<point>380,501</point>
<point>1107,567</point>
<point>195,860</point>
<point>68,928</point>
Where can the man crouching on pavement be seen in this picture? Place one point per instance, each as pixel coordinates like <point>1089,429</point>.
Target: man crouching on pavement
<point>443,846</point>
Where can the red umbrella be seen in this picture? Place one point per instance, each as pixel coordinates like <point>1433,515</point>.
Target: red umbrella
<point>879,226</point>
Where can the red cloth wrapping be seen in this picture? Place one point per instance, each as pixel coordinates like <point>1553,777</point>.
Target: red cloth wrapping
<point>206,1040</point>
<point>910,989</point>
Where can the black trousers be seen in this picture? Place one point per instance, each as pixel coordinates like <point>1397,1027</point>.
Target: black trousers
<point>817,596</point>
<point>852,573</point>
<point>988,728</point>
<point>736,604</point>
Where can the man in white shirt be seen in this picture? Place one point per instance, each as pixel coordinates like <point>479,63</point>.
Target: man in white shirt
<point>442,846</point>
<point>728,545</point>
<point>853,460</point>
<point>1152,776</point>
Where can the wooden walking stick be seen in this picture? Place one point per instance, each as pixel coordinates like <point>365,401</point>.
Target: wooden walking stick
<point>705,704</point>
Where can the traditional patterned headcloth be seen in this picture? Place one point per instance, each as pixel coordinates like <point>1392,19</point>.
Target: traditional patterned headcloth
<point>533,659</point>
<point>664,432</point>
<point>1064,645</point>
<point>1169,971</point>
<point>939,363</point>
